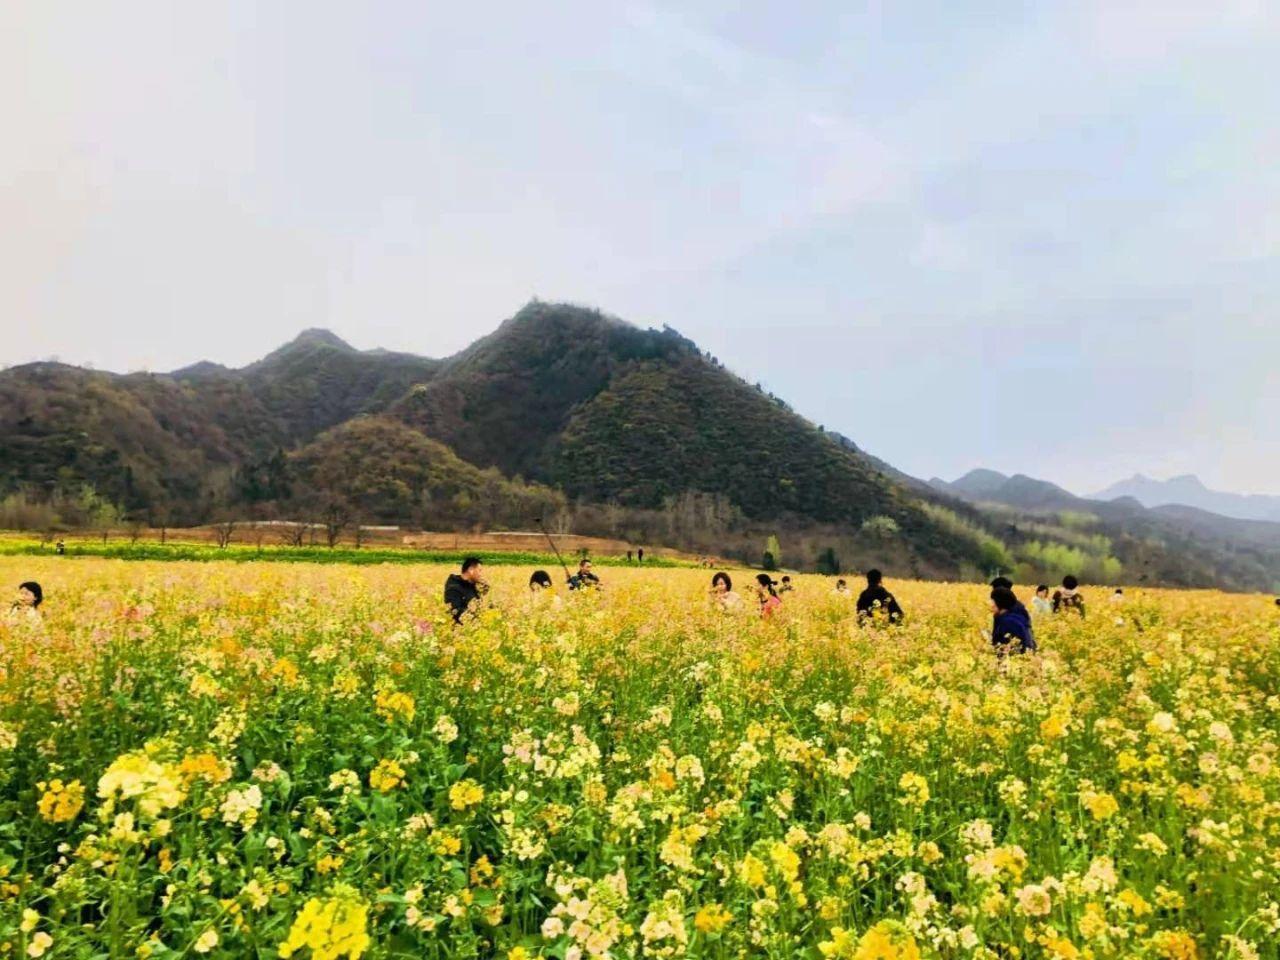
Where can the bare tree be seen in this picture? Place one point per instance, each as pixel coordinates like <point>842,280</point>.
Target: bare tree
<point>337,515</point>
<point>134,529</point>
<point>222,531</point>
<point>293,534</point>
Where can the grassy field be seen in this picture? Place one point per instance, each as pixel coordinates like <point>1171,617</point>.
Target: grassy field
<point>299,760</point>
<point>245,553</point>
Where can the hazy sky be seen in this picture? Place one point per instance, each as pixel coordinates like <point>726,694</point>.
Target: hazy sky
<point>1035,237</point>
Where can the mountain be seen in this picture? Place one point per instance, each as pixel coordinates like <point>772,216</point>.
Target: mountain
<point>1016,491</point>
<point>1189,491</point>
<point>566,413</point>
<point>1167,544</point>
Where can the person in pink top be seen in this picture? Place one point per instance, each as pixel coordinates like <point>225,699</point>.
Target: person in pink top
<point>769,599</point>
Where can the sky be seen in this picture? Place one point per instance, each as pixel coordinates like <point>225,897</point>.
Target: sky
<point>1040,238</point>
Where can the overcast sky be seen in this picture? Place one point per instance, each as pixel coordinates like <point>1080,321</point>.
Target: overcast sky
<point>1040,238</point>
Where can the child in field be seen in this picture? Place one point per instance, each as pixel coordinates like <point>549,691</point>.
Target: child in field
<point>722,594</point>
<point>767,595</point>
<point>27,606</point>
<point>542,592</point>
<point>842,589</point>
<point>1040,603</point>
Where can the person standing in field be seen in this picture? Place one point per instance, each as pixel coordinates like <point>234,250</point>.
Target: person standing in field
<point>462,591</point>
<point>640,555</point>
<point>1069,597</point>
<point>1011,624</point>
<point>767,594</point>
<point>877,599</point>
<point>842,589</point>
<point>1040,603</point>
<point>722,594</point>
<point>584,579</point>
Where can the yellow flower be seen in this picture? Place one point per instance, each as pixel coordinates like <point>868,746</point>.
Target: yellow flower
<point>1100,805</point>
<point>915,790</point>
<point>330,927</point>
<point>1175,945</point>
<point>60,801</point>
<point>752,871</point>
<point>386,776</point>
<point>465,794</point>
<point>155,786</point>
<point>206,941</point>
<point>887,940</point>
<point>711,918</point>
<point>39,943</point>
<point>392,704</point>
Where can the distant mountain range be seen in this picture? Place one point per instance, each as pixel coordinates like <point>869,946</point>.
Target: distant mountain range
<point>1244,550</point>
<point>1187,490</point>
<point>564,413</point>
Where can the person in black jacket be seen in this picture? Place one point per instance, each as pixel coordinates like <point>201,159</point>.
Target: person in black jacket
<point>876,597</point>
<point>584,579</point>
<point>462,592</point>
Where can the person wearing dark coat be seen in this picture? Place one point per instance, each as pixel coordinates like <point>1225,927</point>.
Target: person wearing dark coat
<point>462,592</point>
<point>1011,625</point>
<point>877,597</point>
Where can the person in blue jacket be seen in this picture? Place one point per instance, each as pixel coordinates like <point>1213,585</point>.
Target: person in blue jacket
<point>1011,626</point>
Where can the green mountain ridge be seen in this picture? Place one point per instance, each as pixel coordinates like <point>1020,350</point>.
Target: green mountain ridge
<point>562,411</point>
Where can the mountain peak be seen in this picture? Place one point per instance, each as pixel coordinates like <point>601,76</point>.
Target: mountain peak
<point>320,336</point>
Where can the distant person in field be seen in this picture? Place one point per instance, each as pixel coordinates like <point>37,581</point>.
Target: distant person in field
<point>640,555</point>
<point>1118,596</point>
<point>767,594</point>
<point>542,591</point>
<point>722,594</point>
<point>60,548</point>
<point>1040,603</point>
<point>785,586</point>
<point>842,589</point>
<point>27,606</point>
<point>876,599</point>
<point>1069,597</point>
<point>1011,624</point>
<point>585,578</point>
<point>462,591</point>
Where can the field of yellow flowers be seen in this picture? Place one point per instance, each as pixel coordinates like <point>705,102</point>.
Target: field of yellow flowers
<point>261,760</point>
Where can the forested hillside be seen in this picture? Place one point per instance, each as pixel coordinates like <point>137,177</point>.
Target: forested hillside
<point>562,413</point>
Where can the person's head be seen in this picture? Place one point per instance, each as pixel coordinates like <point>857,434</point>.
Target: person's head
<point>786,579</point>
<point>874,577</point>
<point>1002,599</point>
<point>30,594</point>
<point>1069,582</point>
<point>584,565</point>
<point>842,585</point>
<point>1119,592</point>
<point>472,569</point>
<point>1001,583</point>
<point>765,584</point>
<point>721,583</point>
<point>1042,590</point>
<point>540,580</point>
